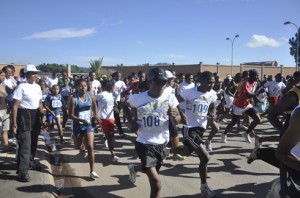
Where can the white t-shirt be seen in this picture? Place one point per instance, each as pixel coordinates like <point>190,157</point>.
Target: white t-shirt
<point>183,86</point>
<point>197,106</point>
<point>152,116</point>
<point>119,88</point>
<point>95,85</point>
<point>29,95</point>
<point>50,82</point>
<point>274,88</point>
<point>105,102</point>
<point>169,90</point>
<point>10,82</point>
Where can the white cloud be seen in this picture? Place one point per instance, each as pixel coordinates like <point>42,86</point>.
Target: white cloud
<point>262,41</point>
<point>63,33</point>
<point>176,56</point>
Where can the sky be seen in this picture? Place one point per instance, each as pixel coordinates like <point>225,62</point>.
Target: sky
<point>134,32</point>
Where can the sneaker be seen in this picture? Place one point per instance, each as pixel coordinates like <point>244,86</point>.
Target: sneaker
<point>23,177</point>
<point>105,144</point>
<point>206,191</point>
<point>252,156</point>
<point>242,127</point>
<point>208,146</point>
<point>178,157</point>
<point>223,138</point>
<point>247,137</point>
<point>94,175</point>
<point>257,143</point>
<point>132,173</point>
<point>115,158</point>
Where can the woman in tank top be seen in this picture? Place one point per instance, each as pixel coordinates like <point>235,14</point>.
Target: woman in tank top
<point>82,108</point>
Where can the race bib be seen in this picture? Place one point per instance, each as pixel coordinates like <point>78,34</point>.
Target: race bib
<point>200,108</point>
<point>152,121</point>
<point>86,115</point>
<point>56,103</point>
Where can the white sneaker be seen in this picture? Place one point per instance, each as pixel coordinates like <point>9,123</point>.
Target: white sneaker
<point>115,158</point>
<point>223,138</point>
<point>94,175</point>
<point>247,137</point>
<point>132,173</point>
<point>106,144</point>
<point>208,146</point>
<point>207,192</point>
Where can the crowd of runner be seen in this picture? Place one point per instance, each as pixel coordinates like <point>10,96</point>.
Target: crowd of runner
<point>156,106</point>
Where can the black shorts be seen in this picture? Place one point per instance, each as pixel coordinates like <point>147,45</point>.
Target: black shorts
<point>151,155</point>
<point>192,137</point>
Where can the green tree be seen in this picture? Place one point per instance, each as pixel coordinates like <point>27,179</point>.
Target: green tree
<point>96,66</point>
<point>293,48</point>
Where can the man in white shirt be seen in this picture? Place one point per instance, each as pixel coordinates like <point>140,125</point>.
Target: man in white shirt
<point>96,85</point>
<point>188,83</point>
<point>119,88</point>
<point>151,111</point>
<point>275,88</point>
<point>50,81</point>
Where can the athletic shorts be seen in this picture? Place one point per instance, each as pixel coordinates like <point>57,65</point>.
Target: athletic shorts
<point>5,119</point>
<point>50,117</point>
<point>239,111</point>
<point>151,155</point>
<point>107,125</point>
<point>80,129</point>
<point>192,137</point>
<point>272,100</point>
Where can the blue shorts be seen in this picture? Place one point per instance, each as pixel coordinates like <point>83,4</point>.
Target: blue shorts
<point>50,117</point>
<point>81,129</point>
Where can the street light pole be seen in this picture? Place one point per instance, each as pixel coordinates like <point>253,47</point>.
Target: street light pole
<point>297,44</point>
<point>232,42</point>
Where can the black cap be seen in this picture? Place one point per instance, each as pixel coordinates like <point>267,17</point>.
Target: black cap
<point>157,74</point>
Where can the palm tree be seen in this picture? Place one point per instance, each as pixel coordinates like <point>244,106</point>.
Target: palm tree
<point>96,66</point>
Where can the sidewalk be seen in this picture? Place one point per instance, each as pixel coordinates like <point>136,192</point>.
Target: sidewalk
<point>41,184</point>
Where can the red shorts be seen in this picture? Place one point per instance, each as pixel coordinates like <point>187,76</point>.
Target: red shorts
<point>108,125</point>
<point>272,100</point>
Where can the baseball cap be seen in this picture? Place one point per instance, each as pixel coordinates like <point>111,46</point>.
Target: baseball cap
<point>30,68</point>
<point>169,74</point>
<point>157,74</point>
<point>229,77</point>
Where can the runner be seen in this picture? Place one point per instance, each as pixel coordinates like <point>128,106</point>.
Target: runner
<point>151,111</point>
<point>105,102</point>
<point>243,104</point>
<point>199,105</point>
<point>80,112</point>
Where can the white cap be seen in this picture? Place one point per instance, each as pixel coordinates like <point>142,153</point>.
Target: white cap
<point>229,77</point>
<point>30,68</point>
<point>169,74</point>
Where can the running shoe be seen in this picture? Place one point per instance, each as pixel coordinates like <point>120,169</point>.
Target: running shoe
<point>115,158</point>
<point>257,143</point>
<point>242,127</point>
<point>208,146</point>
<point>132,173</point>
<point>94,175</point>
<point>178,157</point>
<point>252,156</point>
<point>247,137</point>
<point>223,138</point>
<point>105,144</point>
<point>23,177</point>
<point>207,192</point>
